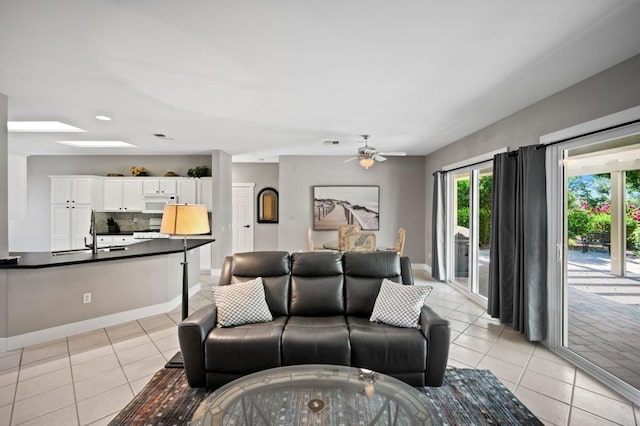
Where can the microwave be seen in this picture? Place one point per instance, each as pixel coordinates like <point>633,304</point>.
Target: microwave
<point>156,203</point>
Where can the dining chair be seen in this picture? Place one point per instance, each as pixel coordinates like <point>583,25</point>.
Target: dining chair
<point>399,248</point>
<point>310,245</point>
<point>343,231</point>
<point>361,241</point>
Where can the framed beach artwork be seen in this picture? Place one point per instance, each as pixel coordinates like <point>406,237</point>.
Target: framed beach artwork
<point>344,205</point>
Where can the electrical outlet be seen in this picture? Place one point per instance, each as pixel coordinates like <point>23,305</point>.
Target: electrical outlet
<point>135,220</point>
<point>86,298</point>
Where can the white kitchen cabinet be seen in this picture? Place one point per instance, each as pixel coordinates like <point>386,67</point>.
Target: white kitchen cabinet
<point>104,240</point>
<point>72,199</point>
<point>205,192</point>
<point>115,240</point>
<point>132,195</point>
<point>123,240</point>
<point>123,195</point>
<point>187,191</point>
<point>70,224</point>
<point>76,190</point>
<point>159,186</point>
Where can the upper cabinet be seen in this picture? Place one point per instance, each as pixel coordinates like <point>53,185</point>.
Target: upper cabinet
<point>187,191</point>
<point>123,195</point>
<point>205,192</point>
<point>159,186</point>
<point>78,190</point>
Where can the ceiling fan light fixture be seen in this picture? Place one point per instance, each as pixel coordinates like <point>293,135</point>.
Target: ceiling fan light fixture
<point>366,162</point>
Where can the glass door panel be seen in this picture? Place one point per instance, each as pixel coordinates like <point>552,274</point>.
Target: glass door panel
<point>632,224</point>
<point>470,227</point>
<point>461,234</point>
<point>485,194</point>
<point>602,278</point>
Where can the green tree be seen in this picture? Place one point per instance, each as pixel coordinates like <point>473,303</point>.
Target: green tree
<point>594,189</point>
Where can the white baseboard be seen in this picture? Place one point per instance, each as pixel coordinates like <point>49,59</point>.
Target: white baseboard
<point>216,272</point>
<point>421,267</point>
<point>61,331</point>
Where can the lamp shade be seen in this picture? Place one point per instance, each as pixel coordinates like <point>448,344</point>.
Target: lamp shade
<point>184,219</point>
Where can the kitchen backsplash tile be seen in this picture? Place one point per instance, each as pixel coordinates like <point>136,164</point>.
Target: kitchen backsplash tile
<point>127,222</point>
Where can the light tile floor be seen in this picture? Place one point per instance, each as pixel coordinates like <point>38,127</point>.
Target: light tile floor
<point>87,379</point>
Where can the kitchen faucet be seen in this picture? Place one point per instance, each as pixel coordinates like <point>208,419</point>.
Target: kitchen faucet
<point>94,234</point>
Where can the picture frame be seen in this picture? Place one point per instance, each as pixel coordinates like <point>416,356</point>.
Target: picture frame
<point>335,205</point>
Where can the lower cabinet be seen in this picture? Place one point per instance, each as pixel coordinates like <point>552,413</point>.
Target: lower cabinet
<point>69,226</point>
<point>115,240</point>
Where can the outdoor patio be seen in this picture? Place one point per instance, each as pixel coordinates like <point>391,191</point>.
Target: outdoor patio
<point>604,314</point>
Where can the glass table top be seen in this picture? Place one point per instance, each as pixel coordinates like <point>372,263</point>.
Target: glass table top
<point>315,395</point>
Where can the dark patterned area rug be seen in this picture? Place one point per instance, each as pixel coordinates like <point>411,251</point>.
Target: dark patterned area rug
<point>467,397</point>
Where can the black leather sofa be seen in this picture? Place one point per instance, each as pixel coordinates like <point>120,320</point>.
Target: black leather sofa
<point>321,303</point>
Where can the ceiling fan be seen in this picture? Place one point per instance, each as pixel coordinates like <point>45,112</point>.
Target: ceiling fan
<point>367,155</point>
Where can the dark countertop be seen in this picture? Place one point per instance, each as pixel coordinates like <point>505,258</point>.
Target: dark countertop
<point>43,259</point>
<point>106,234</point>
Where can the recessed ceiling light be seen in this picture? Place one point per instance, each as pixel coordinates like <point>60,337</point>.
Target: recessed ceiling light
<point>97,144</point>
<point>41,126</point>
<point>103,117</point>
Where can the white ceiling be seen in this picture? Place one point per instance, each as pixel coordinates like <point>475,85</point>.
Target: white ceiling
<point>262,78</point>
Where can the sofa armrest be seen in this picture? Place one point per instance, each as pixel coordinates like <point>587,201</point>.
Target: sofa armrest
<point>226,271</point>
<point>406,270</point>
<point>437,331</point>
<point>192,332</point>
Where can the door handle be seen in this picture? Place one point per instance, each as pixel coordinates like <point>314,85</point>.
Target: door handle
<point>247,226</point>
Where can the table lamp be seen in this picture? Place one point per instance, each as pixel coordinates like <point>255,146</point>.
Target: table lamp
<point>184,219</point>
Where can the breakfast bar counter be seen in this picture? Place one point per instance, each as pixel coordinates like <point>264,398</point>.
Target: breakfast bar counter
<point>160,246</point>
<point>46,297</point>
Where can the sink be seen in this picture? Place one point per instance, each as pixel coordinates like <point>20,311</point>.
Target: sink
<point>88,250</point>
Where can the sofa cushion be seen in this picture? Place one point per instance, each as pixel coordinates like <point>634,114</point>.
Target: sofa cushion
<point>317,296</point>
<point>263,263</point>
<point>273,267</point>
<point>316,340</point>
<point>316,284</point>
<point>399,304</point>
<point>241,303</point>
<point>316,264</point>
<point>385,348</point>
<point>363,274</point>
<point>245,348</point>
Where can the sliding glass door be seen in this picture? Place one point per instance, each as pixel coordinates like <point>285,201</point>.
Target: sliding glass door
<point>469,230</point>
<point>595,225</point>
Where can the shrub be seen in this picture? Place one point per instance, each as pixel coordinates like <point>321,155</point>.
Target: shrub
<point>579,223</point>
<point>463,217</point>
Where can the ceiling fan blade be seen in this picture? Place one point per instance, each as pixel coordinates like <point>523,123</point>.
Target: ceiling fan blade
<point>393,154</point>
<point>379,157</point>
<point>350,159</point>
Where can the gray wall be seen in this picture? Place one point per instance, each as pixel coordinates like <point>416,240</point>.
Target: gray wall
<point>265,235</point>
<point>221,212</point>
<point>4,177</point>
<point>402,204</point>
<point>610,91</point>
<point>33,232</point>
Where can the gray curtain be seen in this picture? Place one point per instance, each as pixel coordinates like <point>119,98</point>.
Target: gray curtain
<point>438,235</point>
<point>518,268</point>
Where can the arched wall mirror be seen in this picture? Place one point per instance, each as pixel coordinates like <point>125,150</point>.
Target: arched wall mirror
<point>268,205</point>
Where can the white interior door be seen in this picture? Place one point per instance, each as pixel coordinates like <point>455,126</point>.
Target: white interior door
<point>242,211</point>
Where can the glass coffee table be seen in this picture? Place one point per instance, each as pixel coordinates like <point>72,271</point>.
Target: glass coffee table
<point>315,395</point>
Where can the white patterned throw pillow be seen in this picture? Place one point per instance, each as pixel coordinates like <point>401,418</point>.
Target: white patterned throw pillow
<point>399,304</point>
<point>241,303</point>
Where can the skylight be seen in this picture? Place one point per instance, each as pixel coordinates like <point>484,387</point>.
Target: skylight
<point>98,144</point>
<point>41,126</point>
